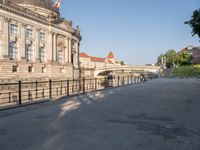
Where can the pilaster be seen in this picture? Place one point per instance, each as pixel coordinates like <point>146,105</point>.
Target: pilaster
<point>22,43</point>
<point>70,49</point>
<point>66,51</point>
<point>6,37</point>
<point>54,47</point>
<point>49,46</point>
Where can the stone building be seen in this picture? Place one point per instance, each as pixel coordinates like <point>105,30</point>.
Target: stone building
<point>90,63</point>
<point>36,42</point>
<point>196,55</point>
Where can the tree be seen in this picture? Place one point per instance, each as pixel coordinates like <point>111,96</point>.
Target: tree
<point>160,60</point>
<point>122,63</point>
<point>184,58</point>
<point>170,58</point>
<point>194,23</point>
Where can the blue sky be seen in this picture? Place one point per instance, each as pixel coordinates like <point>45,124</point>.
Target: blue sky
<point>137,31</point>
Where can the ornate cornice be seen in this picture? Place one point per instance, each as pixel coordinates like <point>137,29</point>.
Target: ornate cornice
<point>19,10</point>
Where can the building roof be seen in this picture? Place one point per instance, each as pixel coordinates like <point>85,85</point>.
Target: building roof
<point>84,55</point>
<point>110,55</point>
<point>39,3</point>
<point>96,59</point>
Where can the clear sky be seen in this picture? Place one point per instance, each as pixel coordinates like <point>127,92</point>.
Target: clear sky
<point>137,31</point>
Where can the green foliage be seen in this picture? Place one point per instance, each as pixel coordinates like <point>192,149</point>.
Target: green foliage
<point>122,63</point>
<point>183,58</point>
<point>172,58</point>
<point>159,60</point>
<point>187,71</point>
<point>194,23</point>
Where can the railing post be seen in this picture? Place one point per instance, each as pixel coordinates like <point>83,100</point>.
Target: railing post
<point>105,81</point>
<point>112,80</point>
<point>20,92</point>
<point>67,87</point>
<point>79,85</point>
<point>95,84</point>
<point>83,85</point>
<point>50,88</point>
<point>9,94</point>
<point>118,80</point>
<point>36,89</point>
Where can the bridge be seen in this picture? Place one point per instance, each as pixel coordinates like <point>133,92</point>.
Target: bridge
<point>128,69</point>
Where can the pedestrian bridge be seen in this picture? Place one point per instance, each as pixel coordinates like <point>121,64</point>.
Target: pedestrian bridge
<point>128,69</point>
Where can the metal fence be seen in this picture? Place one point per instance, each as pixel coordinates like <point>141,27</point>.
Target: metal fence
<point>26,92</point>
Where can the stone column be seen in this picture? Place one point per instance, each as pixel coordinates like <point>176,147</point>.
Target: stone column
<point>23,41</point>
<point>37,43</point>
<point>6,37</point>
<point>70,49</point>
<point>49,46</point>
<point>77,53</point>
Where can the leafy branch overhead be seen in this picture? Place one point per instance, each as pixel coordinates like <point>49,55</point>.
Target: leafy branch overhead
<point>194,23</point>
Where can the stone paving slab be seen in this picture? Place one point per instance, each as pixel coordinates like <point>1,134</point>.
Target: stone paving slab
<point>160,114</point>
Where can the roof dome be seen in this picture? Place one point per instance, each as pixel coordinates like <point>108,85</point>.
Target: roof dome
<point>32,4</point>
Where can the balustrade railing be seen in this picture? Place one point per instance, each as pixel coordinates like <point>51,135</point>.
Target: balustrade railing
<point>26,92</point>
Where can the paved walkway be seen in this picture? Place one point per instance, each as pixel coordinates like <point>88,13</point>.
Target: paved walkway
<point>156,115</point>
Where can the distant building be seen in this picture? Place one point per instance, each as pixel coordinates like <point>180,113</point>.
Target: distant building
<point>194,52</point>
<point>89,63</point>
<point>196,55</point>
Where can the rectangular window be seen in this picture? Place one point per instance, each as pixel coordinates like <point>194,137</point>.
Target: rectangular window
<point>28,53</point>
<point>42,36</point>
<point>43,70</point>
<point>12,51</point>
<point>14,69</point>
<point>29,33</point>
<point>30,69</point>
<point>42,55</point>
<point>13,29</point>
<point>60,57</point>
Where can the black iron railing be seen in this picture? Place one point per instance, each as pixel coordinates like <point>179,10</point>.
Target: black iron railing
<point>26,92</point>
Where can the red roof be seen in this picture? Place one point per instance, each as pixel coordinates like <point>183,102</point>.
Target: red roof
<point>84,55</point>
<point>97,59</point>
<point>110,55</point>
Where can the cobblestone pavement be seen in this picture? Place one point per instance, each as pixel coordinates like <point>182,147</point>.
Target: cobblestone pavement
<point>161,114</point>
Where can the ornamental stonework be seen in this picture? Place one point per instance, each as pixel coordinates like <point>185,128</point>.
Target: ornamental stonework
<point>36,43</point>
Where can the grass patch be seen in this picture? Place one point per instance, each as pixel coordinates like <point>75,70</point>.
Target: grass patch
<point>187,71</point>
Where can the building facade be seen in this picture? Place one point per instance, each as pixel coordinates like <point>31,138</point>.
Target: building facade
<point>36,42</point>
<point>196,55</point>
<point>90,63</point>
